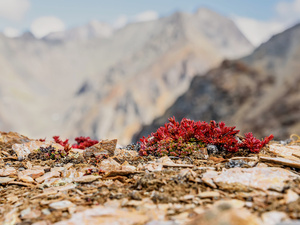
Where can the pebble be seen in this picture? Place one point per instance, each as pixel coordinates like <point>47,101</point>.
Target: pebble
<point>62,205</point>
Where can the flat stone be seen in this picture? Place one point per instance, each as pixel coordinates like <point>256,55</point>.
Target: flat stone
<point>165,160</point>
<point>244,178</point>
<point>209,194</point>
<point>126,154</point>
<point>107,147</point>
<point>273,217</point>
<point>106,216</point>
<point>33,173</point>
<point>127,167</point>
<point>109,165</point>
<point>7,171</point>
<point>87,179</point>
<point>282,161</point>
<point>47,176</point>
<point>232,203</point>
<point>61,205</point>
<point>153,167</point>
<point>60,188</point>
<point>26,179</point>
<point>5,180</point>
<point>58,169</point>
<point>225,215</point>
<point>207,178</point>
<point>30,214</point>
<point>285,151</point>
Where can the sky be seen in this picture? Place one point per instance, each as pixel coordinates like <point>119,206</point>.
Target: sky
<point>257,19</point>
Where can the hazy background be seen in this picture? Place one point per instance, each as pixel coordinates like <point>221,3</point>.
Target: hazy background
<point>119,69</point>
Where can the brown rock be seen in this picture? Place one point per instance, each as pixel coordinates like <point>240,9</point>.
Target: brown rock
<point>109,165</point>
<point>33,173</point>
<point>107,147</point>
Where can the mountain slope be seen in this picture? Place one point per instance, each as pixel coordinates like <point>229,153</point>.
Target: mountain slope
<point>157,66</point>
<point>81,83</point>
<point>259,93</point>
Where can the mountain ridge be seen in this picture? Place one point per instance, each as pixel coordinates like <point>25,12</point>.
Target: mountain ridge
<point>273,100</point>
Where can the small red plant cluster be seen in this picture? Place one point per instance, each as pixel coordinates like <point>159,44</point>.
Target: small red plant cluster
<point>82,142</point>
<point>181,139</point>
<point>59,141</point>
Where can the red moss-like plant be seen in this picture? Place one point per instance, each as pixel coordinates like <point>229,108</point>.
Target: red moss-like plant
<point>181,139</point>
<point>59,141</point>
<point>82,142</point>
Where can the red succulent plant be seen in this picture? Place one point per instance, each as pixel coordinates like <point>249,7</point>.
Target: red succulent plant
<point>181,139</point>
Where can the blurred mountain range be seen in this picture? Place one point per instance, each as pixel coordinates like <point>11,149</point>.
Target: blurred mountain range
<point>100,82</point>
<point>259,93</point>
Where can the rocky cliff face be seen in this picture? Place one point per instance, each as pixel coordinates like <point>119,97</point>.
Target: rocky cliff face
<point>258,93</point>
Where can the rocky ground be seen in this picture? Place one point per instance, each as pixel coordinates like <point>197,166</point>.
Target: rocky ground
<point>108,185</point>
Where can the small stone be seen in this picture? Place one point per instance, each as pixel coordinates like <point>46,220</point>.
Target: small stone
<point>273,217</point>
<point>87,179</point>
<point>109,165</point>
<point>33,173</point>
<point>187,197</point>
<point>62,205</point>
<point>222,216</point>
<point>187,173</point>
<point>127,167</point>
<point>201,153</point>
<point>209,194</point>
<point>212,149</point>
<point>165,160</point>
<point>232,203</point>
<point>47,176</point>
<point>26,179</point>
<point>12,199</point>
<point>249,204</point>
<point>58,169</point>
<point>291,196</point>
<point>46,211</point>
<point>30,214</point>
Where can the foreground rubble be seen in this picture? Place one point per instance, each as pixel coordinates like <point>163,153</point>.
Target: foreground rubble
<point>106,185</point>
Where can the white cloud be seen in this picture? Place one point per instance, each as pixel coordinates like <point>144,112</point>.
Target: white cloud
<point>289,11</point>
<point>13,9</point>
<point>257,31</point>
<point>11,32</point>
<point>146,16</point>
<point>121,21</point>
<point>46,25</point>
